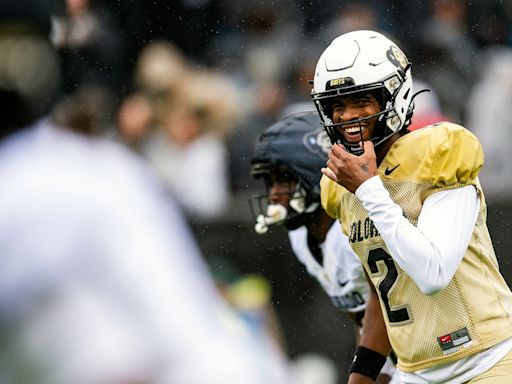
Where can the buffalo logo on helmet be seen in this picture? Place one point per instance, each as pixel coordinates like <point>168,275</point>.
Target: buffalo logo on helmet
<point>317,142</point>
<point>397,57</point>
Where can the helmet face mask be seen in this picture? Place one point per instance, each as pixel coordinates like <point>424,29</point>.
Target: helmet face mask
<point>300,203</point>
<point>364,62</point>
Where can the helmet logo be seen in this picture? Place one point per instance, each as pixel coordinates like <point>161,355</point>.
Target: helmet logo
<point>339,83</point>
<point>397,57</point>
<point>336,82</point>
<point>318,143</point>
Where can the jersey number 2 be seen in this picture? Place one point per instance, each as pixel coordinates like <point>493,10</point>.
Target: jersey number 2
<point>386,285</point>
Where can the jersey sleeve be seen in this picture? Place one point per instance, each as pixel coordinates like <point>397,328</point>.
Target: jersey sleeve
<point>457,158</point>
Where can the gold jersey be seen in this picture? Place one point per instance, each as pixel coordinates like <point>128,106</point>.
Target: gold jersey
<point>474,312</point>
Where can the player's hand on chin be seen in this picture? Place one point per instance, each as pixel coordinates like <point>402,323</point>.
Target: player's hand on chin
<point>349,170</point>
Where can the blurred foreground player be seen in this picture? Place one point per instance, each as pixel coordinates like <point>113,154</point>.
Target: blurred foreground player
<point>101,281</point>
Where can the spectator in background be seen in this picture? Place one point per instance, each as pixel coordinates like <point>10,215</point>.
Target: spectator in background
<point>427,108</point>
<point>89,43</point>
<point>159,69</point>
<point>446,54</point>
<point>490,22</point>
<point>135,119</point>
<point>188,147</point>
<point>181,117</point>
<point>489,118</point>
<point>161,66</point>
<point>354,15</point>
<point>266,101</point>
<point>190,24</point>
<point>301,74</point>
<point>101,281</point>
<point>257,53</point>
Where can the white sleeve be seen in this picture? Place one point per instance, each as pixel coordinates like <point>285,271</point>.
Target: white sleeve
<point>430,252</point>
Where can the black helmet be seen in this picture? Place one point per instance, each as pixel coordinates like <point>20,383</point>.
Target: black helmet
<point>297,146</point>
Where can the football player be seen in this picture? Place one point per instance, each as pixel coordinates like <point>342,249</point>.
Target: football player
<point>288,157</point>
<point>415,214</point>
<point>101,280</point>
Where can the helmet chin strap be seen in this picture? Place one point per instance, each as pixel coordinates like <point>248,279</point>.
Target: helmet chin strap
<point>355,148</point>
<point>358,150</point>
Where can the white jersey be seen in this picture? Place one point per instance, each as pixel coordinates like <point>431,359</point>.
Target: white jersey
<point>100,279</point>
<point>340,274</point>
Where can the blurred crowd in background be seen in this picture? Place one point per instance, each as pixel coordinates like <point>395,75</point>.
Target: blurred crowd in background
<point>189,85</point>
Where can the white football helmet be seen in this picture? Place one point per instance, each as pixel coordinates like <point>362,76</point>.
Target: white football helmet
<point>363,61</point>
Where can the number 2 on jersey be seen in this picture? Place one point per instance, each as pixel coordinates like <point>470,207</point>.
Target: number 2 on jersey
<point>386,285</point>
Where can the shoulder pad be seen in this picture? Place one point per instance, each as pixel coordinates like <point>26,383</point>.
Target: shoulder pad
<point>459,156</point>
<point>442,154</point>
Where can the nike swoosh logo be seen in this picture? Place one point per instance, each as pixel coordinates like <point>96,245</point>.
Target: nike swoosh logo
<point>342,284</point>
<point>388,171</point>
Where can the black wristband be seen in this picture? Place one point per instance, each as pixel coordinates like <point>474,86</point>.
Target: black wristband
<point>367,362</point>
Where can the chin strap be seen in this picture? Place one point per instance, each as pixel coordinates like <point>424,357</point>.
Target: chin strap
<point>274,214</point>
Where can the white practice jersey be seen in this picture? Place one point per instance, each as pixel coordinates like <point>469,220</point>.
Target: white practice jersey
<point>101,280</point>
<point>341,274</point>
